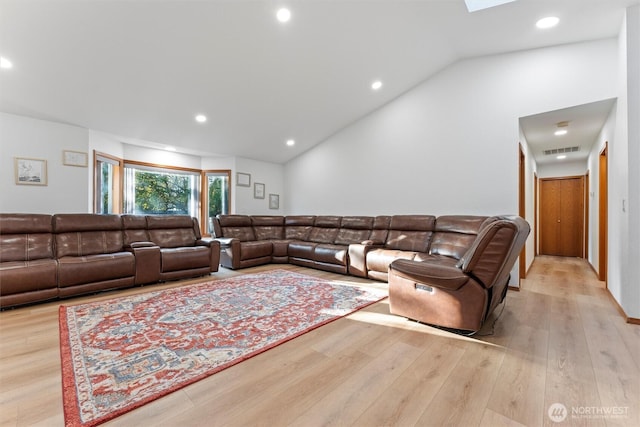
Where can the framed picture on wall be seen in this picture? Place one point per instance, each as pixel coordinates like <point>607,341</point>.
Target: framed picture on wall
<point>30,171</point>
<point>244,179</point>
<point>258,190</point>
<point>74,158</point>
<point>274,201</point>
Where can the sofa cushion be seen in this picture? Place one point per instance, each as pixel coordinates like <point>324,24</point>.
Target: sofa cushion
<point>454,234</point>
<point>135,229</point>
<point>79,270</point>
<point>379,259</point>
<point>237,227</point>
<point>87,234</point>
<point>184,258</point>
<point>255,249</point>
<point>330,254</point>
<point>410,232</point>
<point>25,223</point>
<point>354,229</point>
<point>27,276</point>
<point>173,238</point>
<point>171,231</point>
<point>26,247</point>
<point>299,249</point>
<point>298,227</point>
<point>325,229</point>
<point>268,227</point>
<point>380,229</point>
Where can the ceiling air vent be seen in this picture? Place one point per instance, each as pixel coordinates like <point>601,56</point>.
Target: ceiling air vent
<point>561,150</point>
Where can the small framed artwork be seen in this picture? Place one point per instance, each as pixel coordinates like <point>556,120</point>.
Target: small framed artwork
<point>258,191</point>
<point>274,201</point>
<point>30,171</point>
<point>74,158</point>
<point>244,179</point>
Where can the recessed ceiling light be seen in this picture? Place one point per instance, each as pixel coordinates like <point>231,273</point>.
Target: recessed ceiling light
<point>560,132</point>
<point>201,118</point>
<point>548,22</point>
<point>560,157</point>
<point>5,63</point>
<point>291,142</point>
<point>283,14</point>
<point>376,85</point>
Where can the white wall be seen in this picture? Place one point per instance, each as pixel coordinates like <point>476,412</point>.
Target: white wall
<point>552,170</point>
<point>160,157</point>
<point>269,174</point>
<point>631,290</point>
<point>67,190</point>
<point>624,174</point>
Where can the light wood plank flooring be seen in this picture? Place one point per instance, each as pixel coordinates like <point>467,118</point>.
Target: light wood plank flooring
<point>559,340</point>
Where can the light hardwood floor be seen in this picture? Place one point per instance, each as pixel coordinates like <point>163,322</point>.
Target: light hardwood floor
<point>559,340</point>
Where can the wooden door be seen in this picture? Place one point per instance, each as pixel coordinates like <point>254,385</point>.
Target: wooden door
<point>562,216</point>
<point>603,212</point>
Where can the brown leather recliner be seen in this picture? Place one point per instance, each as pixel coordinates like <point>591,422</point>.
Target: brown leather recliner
<point>460,296</point>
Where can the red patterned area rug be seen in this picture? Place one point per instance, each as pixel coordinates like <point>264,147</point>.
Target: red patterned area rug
<point>120,354</point>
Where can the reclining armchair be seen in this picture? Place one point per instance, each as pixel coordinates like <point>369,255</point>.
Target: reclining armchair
<point>459,295</point>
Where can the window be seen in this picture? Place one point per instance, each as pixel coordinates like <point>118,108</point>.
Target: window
<point>141,188</point>
<point>107,184</point>
<point>217,185</point>
<point>155,190</point>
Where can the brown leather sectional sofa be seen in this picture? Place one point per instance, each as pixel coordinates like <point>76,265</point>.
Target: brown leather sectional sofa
<point>361,246</point>
<point>44,257</point>
<point>462,262</point>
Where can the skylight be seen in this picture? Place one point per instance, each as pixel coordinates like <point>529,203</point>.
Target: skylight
<point>475,5</point>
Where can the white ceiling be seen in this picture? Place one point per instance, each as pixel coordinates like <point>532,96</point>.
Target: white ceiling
<point>584,125</point>
<point>142,69</point>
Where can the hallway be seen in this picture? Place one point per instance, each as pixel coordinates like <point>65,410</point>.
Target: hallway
<point>593,360</point>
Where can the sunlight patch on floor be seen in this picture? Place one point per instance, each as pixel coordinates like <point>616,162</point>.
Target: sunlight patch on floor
<point>399,322</point>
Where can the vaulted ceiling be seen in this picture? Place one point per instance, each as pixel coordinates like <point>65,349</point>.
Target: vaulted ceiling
<point>143,69</point>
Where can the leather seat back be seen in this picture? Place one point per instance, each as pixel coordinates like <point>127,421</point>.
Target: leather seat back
<point>87,234</point>
<point>325,229</point>
<point>410,232</point>
<point>354,229</point>
<point>268,227</point>
<point>298,227</point>
<point>454,234</point>
<point>495,250</point>
<point>25,237</point>
<point>173,231</point>
<point>234,226</point>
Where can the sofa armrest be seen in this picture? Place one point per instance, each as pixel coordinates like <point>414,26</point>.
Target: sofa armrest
<point>430,273</point>
<point>358,257</point>
<point>215,254</point>
<point>225,242</point>
<point>147,256</point>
